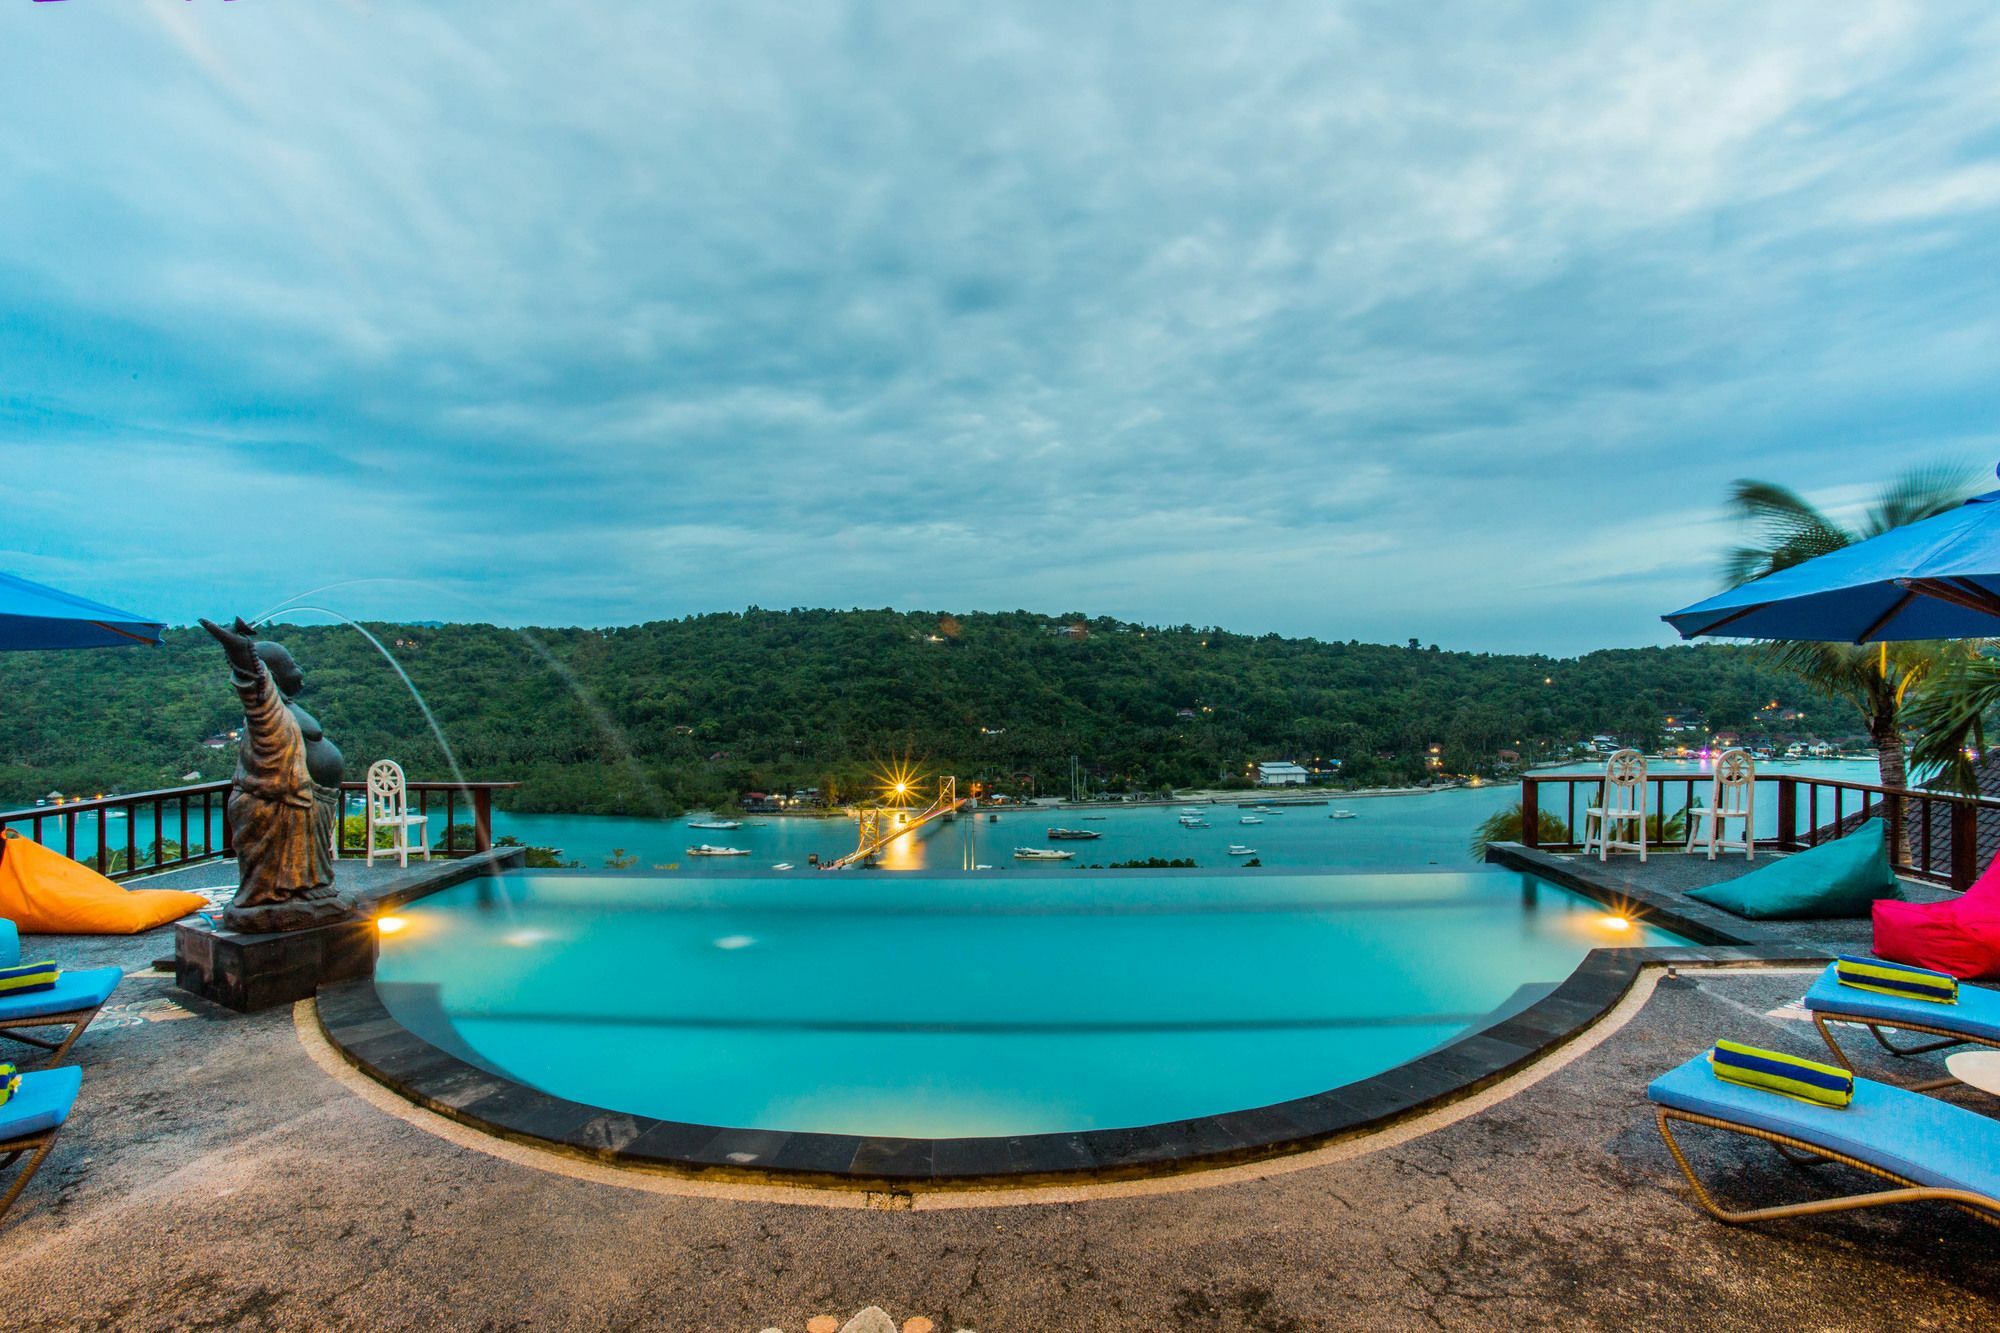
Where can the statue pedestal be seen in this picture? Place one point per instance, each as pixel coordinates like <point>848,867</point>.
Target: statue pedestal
<point>247,972</point>
<point>315,907</point>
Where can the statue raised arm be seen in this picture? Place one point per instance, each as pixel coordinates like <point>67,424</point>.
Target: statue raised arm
<point>284,802</point>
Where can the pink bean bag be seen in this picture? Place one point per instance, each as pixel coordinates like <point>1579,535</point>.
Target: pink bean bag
<point>1960,936</point>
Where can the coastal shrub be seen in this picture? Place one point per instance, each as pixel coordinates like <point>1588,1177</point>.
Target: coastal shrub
<point>1504,825</point>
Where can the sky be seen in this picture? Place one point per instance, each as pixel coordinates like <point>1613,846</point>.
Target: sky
<point>1372,321</point>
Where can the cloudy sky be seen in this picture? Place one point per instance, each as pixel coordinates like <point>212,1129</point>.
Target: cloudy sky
<point>1351,320</point>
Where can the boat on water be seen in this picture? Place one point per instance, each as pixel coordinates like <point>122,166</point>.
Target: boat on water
<point>1041,854</point>
<point>1073,834</point>
<point>712,822</point>
<point>1238,849</point>
<point>1093,819</point>
<point>1190,810</point>
<point>1249,819</point>
<point>782,865</point>
<point>1342,814</point>
<point>707,849</point>
<point>1190,821</point>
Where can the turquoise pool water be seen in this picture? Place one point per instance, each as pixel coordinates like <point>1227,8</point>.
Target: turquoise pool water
<point>948,1006</point>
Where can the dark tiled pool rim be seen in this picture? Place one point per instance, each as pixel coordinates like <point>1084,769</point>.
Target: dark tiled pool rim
<point>352,1016</point>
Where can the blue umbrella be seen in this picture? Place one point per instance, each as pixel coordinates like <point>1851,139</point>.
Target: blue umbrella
<point>1935,579</point>
<point>33,615</point>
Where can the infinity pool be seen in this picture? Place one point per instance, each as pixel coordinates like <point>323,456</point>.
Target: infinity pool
<point>965,1006</point>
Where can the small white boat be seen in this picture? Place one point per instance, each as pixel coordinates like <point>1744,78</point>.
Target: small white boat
<point>1342,814</point>
<point>1238,849</point>
<point>708,850</point>
<point>1190,810</point>
<point>1041,854</point>
<point>712,822</point>
<point>782,865</point>
<point>1249,819</point>
<point>1189,821</point>
<point>981,865</point>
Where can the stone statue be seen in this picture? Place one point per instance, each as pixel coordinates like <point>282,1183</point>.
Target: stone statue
<point>285,802</point>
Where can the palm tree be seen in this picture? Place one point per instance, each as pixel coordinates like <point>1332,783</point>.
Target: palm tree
<point>1876,679</point>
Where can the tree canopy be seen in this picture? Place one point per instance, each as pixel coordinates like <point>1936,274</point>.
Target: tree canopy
<point>669,715</point>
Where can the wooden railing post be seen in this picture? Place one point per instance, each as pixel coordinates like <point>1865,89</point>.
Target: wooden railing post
<point>482,819</point>
<point>1788,812</point>
<point>1531,812</point>
<point>1964,845</point>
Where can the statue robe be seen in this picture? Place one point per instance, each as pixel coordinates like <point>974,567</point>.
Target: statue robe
<point>280,821</point>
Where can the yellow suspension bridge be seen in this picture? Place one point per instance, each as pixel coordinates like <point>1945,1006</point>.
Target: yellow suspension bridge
<point>875,834</point>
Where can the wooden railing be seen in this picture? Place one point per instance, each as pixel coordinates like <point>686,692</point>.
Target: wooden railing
<point>1794,811</point>
<point>137,834</point>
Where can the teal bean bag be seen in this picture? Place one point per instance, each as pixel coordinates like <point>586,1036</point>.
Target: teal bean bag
<point>1836,879</point>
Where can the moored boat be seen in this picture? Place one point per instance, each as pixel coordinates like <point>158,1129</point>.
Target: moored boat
<point>1342,814</point>
<point>1238,849</point>
<point>707,849</point>
<point>1041,854</point>
<point>1073,834</point>
<point>712,822</point>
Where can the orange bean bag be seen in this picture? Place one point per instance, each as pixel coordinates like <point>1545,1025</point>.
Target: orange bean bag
<point>45,893</point>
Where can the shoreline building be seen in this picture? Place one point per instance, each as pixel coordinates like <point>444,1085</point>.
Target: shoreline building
<point>1281,773</point>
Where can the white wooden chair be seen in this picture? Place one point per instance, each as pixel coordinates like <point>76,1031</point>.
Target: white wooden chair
<point>1621,807</point>
<point>389,807</point>
<point>1732,794</point>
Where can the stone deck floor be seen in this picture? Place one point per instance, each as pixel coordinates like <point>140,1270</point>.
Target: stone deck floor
<point>215,1176</point>
<point>1663,880</point>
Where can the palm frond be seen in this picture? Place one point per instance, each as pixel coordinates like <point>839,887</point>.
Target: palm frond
<point>1921,493</point>
<point>1841,669</point>
<point>1790,530</point>
<point>1950,711</point>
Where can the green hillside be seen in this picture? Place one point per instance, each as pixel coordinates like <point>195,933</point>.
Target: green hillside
<point>683,712</point>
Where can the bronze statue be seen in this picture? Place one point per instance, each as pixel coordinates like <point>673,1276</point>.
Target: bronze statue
<point>285,802</point>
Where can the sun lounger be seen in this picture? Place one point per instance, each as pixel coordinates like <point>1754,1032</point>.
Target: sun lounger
<point>30,1121</point>
<point>1930,1150</point>
<point>72,1002</point>
<point>1974,1020</point>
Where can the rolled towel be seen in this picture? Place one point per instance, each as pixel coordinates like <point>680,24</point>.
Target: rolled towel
<point>10,1083</point>
<point>29,977</point>
<point>1914,983</point>
<point>1789,1075</point>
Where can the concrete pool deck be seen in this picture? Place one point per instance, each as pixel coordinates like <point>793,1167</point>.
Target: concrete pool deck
<point>215,1173</point>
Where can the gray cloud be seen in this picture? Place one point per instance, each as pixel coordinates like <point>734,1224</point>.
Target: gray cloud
<point>1340,320</point>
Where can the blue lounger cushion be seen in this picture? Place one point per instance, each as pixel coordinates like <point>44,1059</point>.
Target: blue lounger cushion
<point>42,1103</point>
<point>1977,1013</point>
<point>84,989</point>
<point>1905,1133</point>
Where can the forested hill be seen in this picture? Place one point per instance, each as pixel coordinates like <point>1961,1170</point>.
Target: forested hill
<point>684,712</point>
